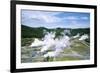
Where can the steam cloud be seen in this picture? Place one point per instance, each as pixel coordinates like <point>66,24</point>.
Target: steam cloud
<point>52,46</point>
<point>83,37</point>
<point>55,45</point>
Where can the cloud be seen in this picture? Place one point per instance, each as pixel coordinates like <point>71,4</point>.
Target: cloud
<point>52,19</point>
<point>72,18</point>
<point>76,18</point>
<point>47,17</point>
<point>84,18</point>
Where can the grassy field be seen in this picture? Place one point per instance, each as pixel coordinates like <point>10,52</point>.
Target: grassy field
<point>79,50</point>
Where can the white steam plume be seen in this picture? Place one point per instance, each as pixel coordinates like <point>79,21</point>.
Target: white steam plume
<point>83,37</point>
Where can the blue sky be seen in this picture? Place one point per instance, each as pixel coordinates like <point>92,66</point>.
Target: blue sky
<point>51,19</point>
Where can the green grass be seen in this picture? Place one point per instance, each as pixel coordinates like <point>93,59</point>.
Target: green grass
<point>67,59</point>
<point>26,41</point>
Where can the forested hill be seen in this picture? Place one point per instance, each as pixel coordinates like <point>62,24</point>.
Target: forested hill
<point>31,32</point>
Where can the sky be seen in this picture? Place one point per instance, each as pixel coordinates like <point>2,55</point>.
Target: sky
<point>55,19</point>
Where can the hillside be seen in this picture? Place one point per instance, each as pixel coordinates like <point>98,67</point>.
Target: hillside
<point>30,32</point>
